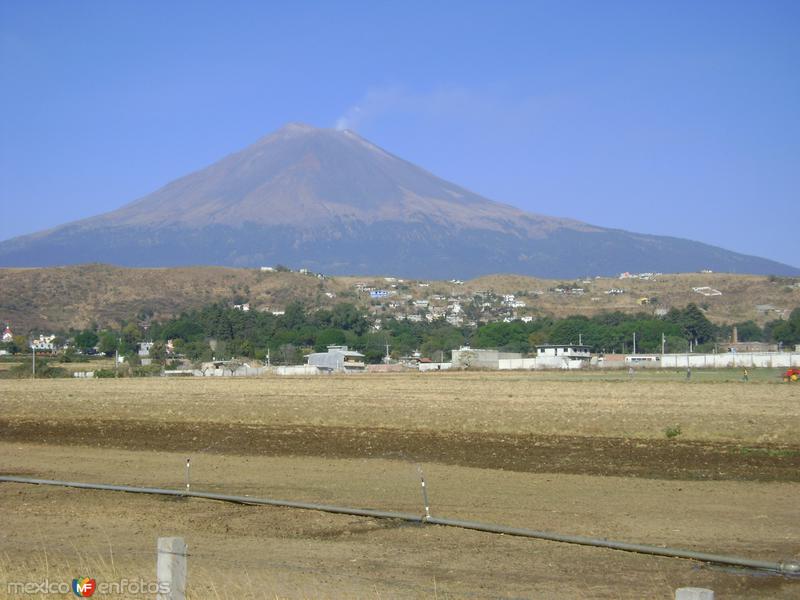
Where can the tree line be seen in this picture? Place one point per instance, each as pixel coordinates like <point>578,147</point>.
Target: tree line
<point>220,331</point>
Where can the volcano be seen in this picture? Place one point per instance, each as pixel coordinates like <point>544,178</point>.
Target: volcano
<point>333,202</point>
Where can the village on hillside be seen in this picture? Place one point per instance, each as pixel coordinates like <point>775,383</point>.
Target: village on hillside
<point>463,307</point>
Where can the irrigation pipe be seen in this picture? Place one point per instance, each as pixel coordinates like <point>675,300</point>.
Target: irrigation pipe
<point>783,568</point>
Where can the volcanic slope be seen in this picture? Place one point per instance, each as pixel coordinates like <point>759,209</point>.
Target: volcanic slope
<point>333,202</point>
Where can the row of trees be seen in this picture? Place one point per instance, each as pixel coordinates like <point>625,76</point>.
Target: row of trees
<point>220,331</point>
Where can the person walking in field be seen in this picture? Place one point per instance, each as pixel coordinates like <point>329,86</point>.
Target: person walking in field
<point>744,376</point>
<point>688,373</point>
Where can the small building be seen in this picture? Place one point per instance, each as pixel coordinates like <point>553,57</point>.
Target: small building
<point>707,291</point>
<point>570,351</point>
<point>144,349</point>
<point>44,343</point>
<point>480,358</point>
<point>338,359</point>
<point>8,335</point>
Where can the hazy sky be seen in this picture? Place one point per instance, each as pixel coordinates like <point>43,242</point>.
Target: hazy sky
<point>676,118</point>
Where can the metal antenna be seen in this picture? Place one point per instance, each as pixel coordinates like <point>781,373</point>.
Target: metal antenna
<point>424,493</point>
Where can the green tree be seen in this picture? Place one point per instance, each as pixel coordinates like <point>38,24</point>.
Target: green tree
<point>693,323</point>
<point>294,316</point>
<point>348,317</point>
<point>19,344</point>
<point>746,331</point>
<point>86,340</point>
<point>786,332</point>
<point>509,337</point>
<point>158,352</point>
<point>329,337</point>
<point>108,343</point>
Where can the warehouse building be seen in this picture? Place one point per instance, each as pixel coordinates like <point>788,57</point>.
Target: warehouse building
<point>338,359</point>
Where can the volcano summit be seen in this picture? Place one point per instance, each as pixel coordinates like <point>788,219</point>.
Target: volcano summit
<point>333,202</point>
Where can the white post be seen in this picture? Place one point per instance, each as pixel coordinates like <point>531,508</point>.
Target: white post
<point>693,593</point>
<point>171,569</point>
<point>425,502</point>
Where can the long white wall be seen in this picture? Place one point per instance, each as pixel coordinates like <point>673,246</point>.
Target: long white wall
<point>749,360</point>
<point>297,370</point>
<point>542,362</point>
<point>731,360</point>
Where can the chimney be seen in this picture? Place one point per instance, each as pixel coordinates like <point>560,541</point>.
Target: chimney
<point>735,335</point>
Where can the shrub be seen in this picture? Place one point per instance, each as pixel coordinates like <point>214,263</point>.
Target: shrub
<point>43,370</point>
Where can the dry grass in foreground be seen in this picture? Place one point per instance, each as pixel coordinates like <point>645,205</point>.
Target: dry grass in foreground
<point>520,403</point>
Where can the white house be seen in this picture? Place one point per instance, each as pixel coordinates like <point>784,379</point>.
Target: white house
<point>570,351</point>
<point>8,335</point>
<point>44,343</point>
<point>337,359</point>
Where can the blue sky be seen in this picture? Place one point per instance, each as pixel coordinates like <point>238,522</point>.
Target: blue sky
<point>675,118</point>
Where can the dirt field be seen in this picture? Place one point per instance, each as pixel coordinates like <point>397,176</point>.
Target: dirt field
<point>544,451</point>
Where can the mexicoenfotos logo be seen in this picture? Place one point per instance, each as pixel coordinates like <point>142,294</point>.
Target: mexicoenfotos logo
<point>84,587</point>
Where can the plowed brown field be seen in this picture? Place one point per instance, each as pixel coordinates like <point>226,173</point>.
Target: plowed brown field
<point>584,457</point>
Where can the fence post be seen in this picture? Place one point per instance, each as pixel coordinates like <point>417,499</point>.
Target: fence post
<point>171,568</point>
<point>425,502</point>
<point>693,593</point>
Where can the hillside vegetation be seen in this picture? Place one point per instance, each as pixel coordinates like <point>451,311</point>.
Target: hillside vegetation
<point>106,296</point>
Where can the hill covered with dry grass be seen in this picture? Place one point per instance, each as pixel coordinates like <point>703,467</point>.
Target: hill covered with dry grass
<point>79,296</point>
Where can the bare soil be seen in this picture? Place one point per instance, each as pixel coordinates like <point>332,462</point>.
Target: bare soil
<point>494,454</point>
<point>625,457</point>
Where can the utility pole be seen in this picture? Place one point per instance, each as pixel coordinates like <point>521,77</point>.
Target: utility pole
<point>116,360</point>
<point>268,362</point>
<point>634,342</point>
<point>33,359</point>
<point>580,339</point>
<point>663,342</point>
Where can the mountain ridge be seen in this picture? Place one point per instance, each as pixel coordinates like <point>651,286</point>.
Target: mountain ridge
<point>335,202</point>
